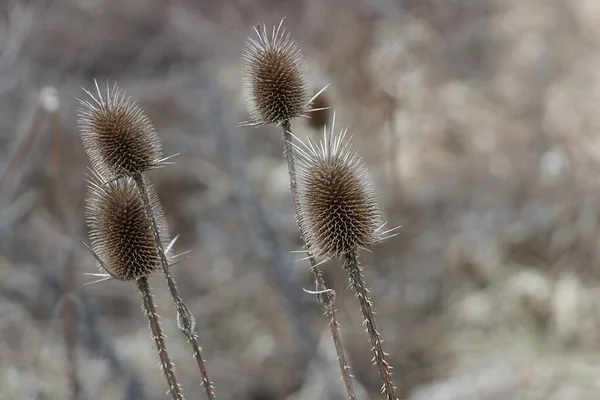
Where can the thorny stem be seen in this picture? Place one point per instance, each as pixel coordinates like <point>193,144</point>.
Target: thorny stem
<point>185,320</point>
<point>165,362</point>
<point>335,334</point>
<point>326,296</point>
<point>352,265</point>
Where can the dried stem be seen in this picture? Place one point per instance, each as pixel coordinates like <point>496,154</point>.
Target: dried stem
<point>325,296</point>
<point>352,265</point>
<point>165,362</point>
<point>23,146</point>
<point>334,327</point>
<point>69,275</point>
<point>185,320</point>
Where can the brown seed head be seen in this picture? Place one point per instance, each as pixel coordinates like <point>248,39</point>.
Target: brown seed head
<point>117,136</point>
<point>274,77</point>
<point>338,208</point>
<point>120,231</point>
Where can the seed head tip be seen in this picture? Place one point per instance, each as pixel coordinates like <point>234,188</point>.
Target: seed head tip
<point>339,212</point>
<point>117,135</point>
<point>274,80</point>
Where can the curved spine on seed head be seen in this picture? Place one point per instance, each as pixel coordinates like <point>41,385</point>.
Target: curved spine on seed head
<point>274,81</point>
<point>119,229</point>
<point>339,212</point>
<point>117,135</point>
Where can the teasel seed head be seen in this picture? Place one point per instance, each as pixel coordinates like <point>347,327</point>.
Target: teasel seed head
<point>339,212</point>
<point>119,229</point>
<point>274,80</point>
<point>117,135</point>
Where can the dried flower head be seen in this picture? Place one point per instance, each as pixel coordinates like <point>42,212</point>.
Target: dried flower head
<point>274,81</point>
<point>117,135</point>
<point>339,212</point>
<point>120,231</point>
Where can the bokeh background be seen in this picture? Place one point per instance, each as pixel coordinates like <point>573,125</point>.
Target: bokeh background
<point>478,120</point>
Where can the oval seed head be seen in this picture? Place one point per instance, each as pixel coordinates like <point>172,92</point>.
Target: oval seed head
<point>120,231</point>
<point>274,80</point>
<point>339,212</point>
<point>117,135</point>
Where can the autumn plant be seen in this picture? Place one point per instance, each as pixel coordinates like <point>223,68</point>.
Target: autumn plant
<point>340,215</point>
<point>276,91</point>
<point>123,245</point>
<point>123,145</point>
<point>335,204</point>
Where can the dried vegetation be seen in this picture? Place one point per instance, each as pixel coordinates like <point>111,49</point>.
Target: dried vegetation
<point>479,124</point>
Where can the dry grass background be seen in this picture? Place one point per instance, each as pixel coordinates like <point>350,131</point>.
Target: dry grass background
<point>478,119</point>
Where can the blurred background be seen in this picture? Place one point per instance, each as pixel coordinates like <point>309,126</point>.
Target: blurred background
<point>478,121</point>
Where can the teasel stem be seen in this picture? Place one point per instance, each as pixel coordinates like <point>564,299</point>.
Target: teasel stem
<point>352,265</point>
<point>185,320</point>
<point>325,295</point>
<point>335,334</point>
<point>165,361</point>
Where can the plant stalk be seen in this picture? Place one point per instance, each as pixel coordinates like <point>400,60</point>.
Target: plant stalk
<point>325,296</point>
<point>185,320</point>
<point>352,265</point>
<point>165,361</point>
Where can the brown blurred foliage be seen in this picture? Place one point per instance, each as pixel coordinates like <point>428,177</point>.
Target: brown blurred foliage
<point>477,119</point>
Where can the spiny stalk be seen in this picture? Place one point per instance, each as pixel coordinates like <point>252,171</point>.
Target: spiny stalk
<point>121,142</point>
<point>325,295</point>
<point>352,266</point>
<point>185,320</point>
<point>157,336</point>
<point>124,248</point>
<point>339,214</point>
<point>276,91</point>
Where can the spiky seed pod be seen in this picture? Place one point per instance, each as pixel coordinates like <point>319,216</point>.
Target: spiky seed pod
<point>339,212</point>
<point>117,135</point>
<point>120,231</point>
<point>274,80</point>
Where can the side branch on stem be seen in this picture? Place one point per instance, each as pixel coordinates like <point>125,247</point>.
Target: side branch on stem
<point>185,320</point>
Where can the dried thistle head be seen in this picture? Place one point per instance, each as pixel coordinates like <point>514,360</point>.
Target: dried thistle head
<point>117,135</point>
<point>274,80</point>
<point>339,212</point>
<point>120,231</point>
